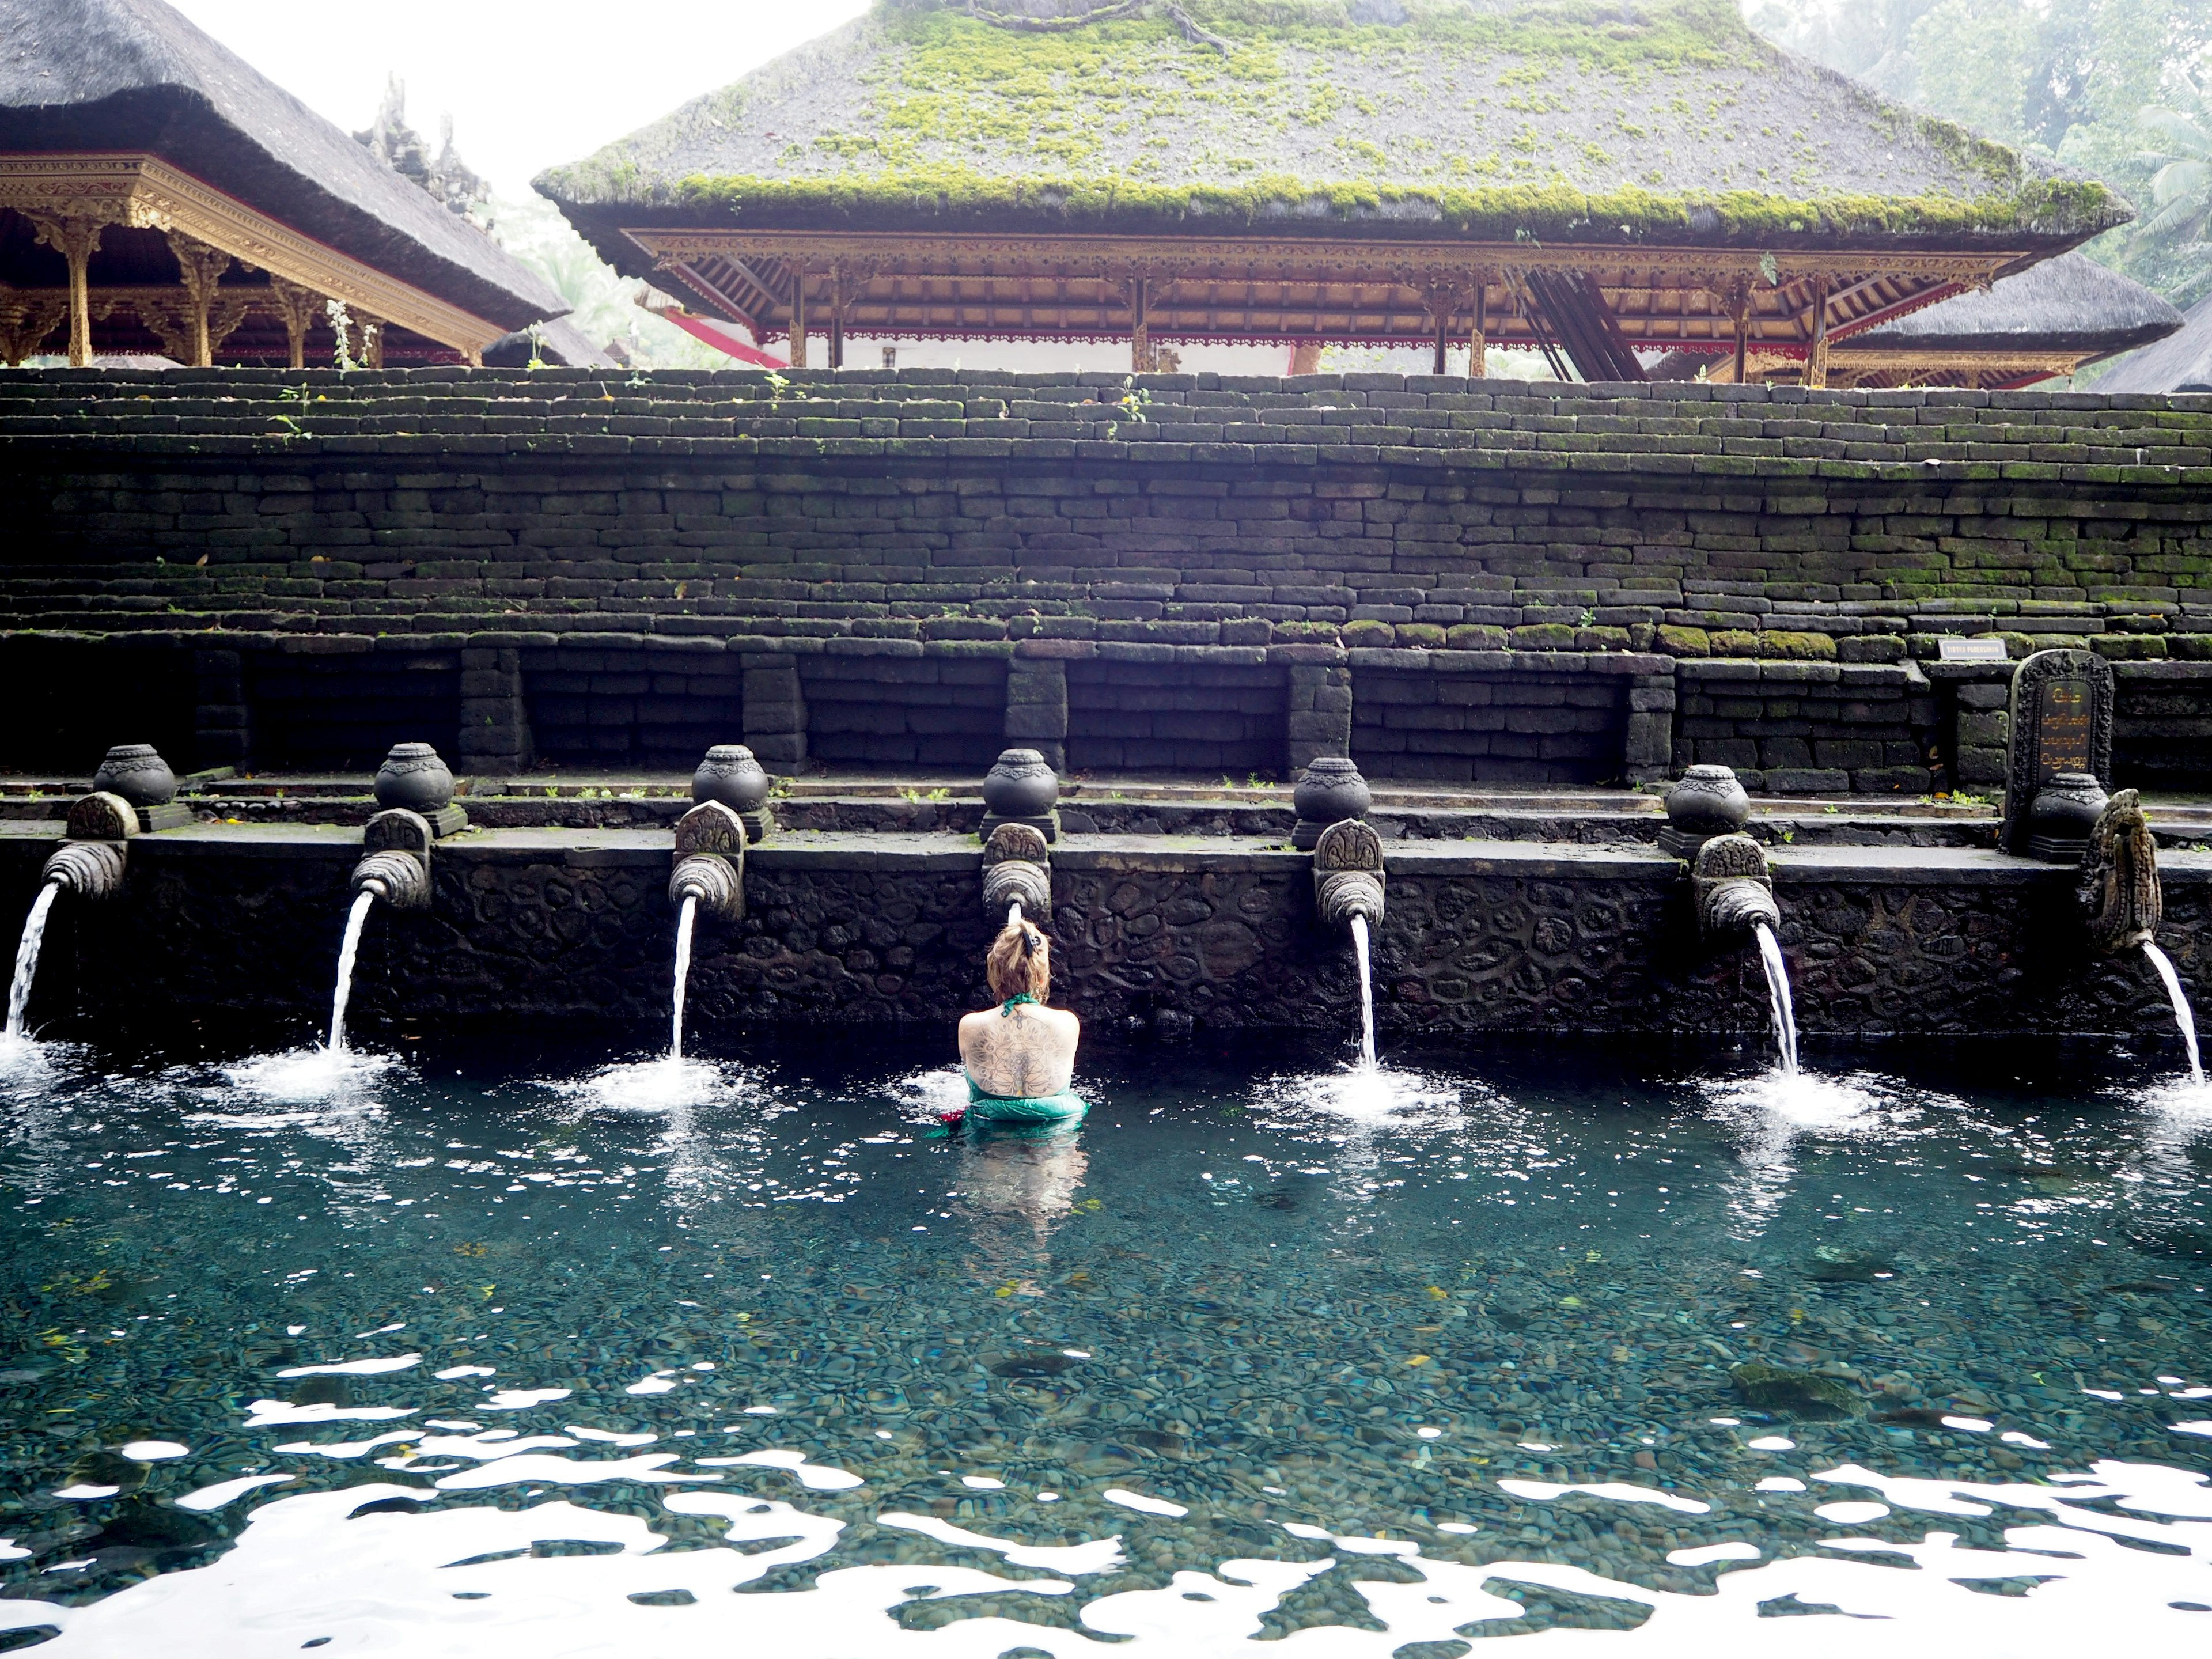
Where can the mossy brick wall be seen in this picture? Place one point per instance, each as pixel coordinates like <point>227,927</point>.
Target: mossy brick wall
<point>222,511</point>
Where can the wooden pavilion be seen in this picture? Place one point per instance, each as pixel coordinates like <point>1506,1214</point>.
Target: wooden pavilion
<point>1592,179</point>
<point>2051,319</point>
<point>159,196</point>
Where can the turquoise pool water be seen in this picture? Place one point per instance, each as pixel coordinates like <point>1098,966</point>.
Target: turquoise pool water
<point>466,1352</point>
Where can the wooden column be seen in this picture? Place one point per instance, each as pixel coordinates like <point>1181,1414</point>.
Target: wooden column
<point>1816,359</point>
<point>202,267</point>
<point>1305,357</point>
<point>838,300</point>
<point>297,308</point>
<point>76,240</point>
<point>1478,345</point>
<point>1139,291</point>
<point>798,316</point>
<point>1739,310</point>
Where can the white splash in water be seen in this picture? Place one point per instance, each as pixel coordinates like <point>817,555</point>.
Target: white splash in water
<point>684,921</point>
<point>666,1083</point>
<point>313,1567</point>
<point>1366,993</point>
<point>2183,1016</point>
<point>1777,997</point>
<point>26,959</point>
<point>356,919</point>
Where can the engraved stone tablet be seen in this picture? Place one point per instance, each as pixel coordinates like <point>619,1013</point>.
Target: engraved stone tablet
<point>2061,721</point>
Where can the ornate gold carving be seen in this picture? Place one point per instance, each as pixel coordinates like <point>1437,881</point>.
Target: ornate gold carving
<point>26,318</point>
<point>145,192</point>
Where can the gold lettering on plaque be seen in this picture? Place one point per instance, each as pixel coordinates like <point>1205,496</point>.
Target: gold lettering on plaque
<point>2063,730</point>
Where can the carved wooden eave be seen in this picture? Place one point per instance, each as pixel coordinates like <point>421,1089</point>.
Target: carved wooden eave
<point>1999,369</point>
<point>1289,289</point>
<point>143,191</point>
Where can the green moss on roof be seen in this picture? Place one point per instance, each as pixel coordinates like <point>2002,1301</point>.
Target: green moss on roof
<point>1560,119</point>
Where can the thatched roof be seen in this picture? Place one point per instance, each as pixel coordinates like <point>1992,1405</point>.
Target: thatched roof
<point>109,76</point>
<point>2180,362</point>
<point>1613,122</point>
<point>2071,303</point>
<point>558,343</point>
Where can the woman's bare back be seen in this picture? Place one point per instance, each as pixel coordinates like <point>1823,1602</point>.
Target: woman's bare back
<point>1027,1053</point>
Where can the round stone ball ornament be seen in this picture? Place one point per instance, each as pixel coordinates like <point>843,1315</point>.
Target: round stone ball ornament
<point>732,775</point>
<point>413,776</point>
<point>135,772</point>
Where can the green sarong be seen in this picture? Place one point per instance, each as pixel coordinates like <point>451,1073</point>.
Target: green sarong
<point>1002,1108</point>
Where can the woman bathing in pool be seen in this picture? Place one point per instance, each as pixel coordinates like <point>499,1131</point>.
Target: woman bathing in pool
<point>1020,1055</point>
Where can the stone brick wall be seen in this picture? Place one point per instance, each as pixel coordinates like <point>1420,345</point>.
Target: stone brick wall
<point>1811,728</point>
<point>659,705</point>
<point>906,710</point>
<point>488,512</point>
<point>1489,728</point>
<point>1213,717</point>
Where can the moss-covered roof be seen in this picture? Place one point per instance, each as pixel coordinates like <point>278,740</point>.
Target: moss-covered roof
<point>1610,121</point>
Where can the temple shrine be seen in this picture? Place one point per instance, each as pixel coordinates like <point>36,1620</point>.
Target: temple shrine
<point>160,198</point>
<point>1590,182</point>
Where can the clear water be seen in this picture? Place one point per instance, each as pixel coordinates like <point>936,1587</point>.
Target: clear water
<point>26,959</point>
<point>1366,992</point>
<point>522,1354</point>
<point>2184,1016</point>
<point>1778,997</point>
<point>684,920</point>
<point>349,949</point>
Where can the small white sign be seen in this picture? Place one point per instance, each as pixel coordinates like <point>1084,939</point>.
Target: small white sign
<point>1984,647</point>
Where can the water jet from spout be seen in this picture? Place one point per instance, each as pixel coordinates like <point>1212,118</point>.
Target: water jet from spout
<point>1777,997</point>
<point>1366,993</point>
<point>1014,914</point>
<point>26,959</point>
<point>2183,1016</point>
<point>356,919</point>
<point>684,918</point>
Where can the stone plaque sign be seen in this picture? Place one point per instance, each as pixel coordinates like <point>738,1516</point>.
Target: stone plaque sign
<point>1982,647</point>
<point>2061,721</point>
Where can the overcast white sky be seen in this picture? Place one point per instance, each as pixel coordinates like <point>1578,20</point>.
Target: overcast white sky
<point>529,82</point>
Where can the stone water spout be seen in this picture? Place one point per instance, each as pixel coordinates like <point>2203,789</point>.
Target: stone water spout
<point>1348,894</point>
<point>1734,893</point>
<point>2121,903</point>
<point>90,864</point>
<point>1348,874</point>
<point>1017,872</point>
<point>710,861</point>
<point>710,867</point>
<point>2119,893</point>
<point>1735,906</point>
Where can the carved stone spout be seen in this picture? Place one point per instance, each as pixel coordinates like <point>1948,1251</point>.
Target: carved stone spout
<point>1348,874</point>
<point>710,861</point>
<point>91,862</point>
<point>1734,891</point>
<point>395,863</point>
<point>1017,868</point>
<point>2119,892</point>
<point>89,869</point>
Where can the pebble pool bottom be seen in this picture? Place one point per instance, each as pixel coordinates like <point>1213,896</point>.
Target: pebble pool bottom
<point>1622,1346</point>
